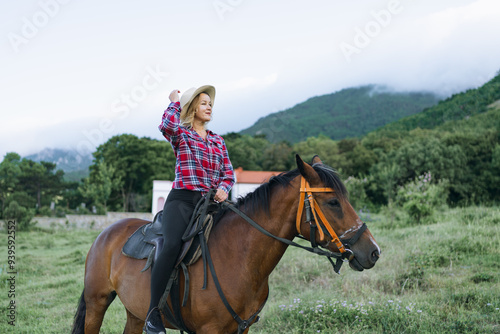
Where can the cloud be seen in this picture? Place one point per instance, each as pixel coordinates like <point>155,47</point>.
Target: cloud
<point>250,83</point>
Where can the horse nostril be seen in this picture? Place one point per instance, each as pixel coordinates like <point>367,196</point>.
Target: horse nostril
<point>375,256</point>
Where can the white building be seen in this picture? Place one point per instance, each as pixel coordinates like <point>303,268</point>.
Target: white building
<point>246,182</point>
<point>160,193</point>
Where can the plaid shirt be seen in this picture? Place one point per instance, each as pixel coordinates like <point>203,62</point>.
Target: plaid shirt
<point>201,165</point>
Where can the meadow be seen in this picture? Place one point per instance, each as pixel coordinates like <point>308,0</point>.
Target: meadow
<point>440,277</point>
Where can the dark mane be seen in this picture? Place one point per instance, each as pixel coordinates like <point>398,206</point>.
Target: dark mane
<point>259,198</point>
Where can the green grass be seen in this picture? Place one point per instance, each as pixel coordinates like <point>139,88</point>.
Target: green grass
<point>437,278</point>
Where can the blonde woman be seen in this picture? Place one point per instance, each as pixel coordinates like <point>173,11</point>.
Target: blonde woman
<point>202,164</point>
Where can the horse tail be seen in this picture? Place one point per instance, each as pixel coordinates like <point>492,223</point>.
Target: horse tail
<point>79,322</point>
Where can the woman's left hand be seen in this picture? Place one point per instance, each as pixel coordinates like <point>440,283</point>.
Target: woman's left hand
<point>220,195</point>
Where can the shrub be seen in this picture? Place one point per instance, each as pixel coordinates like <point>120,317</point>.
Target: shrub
<point>21,215</point>
<point>357,195</point>
<point>420,197</point>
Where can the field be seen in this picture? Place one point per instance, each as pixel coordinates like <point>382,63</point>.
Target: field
<point>436,278</point>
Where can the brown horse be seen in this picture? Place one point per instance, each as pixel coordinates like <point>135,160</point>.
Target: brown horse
<point>242,256</point>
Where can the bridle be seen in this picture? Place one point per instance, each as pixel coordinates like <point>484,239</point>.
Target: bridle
<point>313,212</point>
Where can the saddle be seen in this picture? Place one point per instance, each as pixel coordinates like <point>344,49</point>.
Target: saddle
<point>147,241</point>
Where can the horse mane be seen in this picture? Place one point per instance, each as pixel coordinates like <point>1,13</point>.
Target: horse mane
<point>259,199</point>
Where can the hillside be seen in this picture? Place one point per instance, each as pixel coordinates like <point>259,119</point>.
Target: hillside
<point>74,165</point>
<point>350,112</point>
<point>457,107</point>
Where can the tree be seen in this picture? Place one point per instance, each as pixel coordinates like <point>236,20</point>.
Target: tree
<point>278,157</point>
<point>136,163</point>
<point>39,180</point>
<point>9,176</point>
<point>323,146</point>
<point>246,151</point>
<point>98,188</point>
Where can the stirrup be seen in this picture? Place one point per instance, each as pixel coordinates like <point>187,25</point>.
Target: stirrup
<point>153,328</point>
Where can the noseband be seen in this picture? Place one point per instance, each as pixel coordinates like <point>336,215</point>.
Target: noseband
<point>313,212</point>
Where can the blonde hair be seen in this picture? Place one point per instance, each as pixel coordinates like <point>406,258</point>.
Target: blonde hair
<point>188,120</point>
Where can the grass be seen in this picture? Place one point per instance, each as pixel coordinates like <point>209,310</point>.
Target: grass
<point>435,278</point>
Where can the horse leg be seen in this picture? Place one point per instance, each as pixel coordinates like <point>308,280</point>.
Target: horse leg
<point>97,303</point>
<point>134,325</point>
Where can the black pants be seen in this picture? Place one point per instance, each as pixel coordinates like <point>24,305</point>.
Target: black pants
<point>177,212</point>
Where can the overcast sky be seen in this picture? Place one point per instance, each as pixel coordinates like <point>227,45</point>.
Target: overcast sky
<point>75,73</point>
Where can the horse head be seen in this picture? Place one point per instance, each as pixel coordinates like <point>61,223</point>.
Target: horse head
<point>335,223</point>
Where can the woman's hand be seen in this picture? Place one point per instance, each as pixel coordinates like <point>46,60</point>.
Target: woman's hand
<point>174,95</point>
<point>220,196</point>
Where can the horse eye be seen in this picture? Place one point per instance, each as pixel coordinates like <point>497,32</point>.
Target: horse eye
<point>334,202</point>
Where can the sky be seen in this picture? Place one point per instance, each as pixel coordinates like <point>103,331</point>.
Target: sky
<point>75,73</point>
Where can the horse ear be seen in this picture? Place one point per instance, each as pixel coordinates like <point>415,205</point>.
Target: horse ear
<point>316,160</point>
<point>306,170</point>
<point>300,164</point>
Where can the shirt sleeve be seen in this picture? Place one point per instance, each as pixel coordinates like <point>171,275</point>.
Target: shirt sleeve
<point>227,173</point>
<point>169,126</point>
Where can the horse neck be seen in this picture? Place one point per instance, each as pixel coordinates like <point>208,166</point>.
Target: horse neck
<point>259,252</point>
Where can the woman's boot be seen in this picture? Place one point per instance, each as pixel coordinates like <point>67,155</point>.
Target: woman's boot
<point>154,324</point>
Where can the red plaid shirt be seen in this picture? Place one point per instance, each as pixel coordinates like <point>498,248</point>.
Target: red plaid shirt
<point>201,165</point>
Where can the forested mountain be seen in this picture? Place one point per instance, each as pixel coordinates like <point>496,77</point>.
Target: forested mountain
<point>350,112</point>
<point>456,107</point>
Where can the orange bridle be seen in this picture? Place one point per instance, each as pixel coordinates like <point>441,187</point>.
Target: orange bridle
<point>305,188</point>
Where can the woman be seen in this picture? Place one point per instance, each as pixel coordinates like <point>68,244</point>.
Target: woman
<point>202,164</point>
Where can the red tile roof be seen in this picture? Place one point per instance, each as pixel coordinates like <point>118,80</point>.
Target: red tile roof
<point>255,177</point>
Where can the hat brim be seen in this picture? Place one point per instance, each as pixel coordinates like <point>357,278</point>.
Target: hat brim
<point>191,93</point>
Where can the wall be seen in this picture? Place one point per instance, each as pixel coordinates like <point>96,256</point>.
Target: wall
<point>97,222</point>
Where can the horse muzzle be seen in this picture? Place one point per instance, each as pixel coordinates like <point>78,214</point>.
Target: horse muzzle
<point>361,262</point>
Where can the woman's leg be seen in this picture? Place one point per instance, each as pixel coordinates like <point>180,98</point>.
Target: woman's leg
<point>176,215</point>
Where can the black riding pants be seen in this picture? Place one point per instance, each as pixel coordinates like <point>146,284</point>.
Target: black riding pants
<point>177,212</point>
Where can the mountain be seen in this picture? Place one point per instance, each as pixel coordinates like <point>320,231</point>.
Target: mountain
<point>351,112</point>
<point>74,164</point>
<point>457,107</point>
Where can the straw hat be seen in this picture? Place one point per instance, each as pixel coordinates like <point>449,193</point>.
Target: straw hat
<point>191,93</point>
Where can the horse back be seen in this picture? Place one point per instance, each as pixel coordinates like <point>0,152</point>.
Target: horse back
<point>105,264</point>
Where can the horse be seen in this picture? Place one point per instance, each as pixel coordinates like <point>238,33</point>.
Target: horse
<point>243,256</point>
